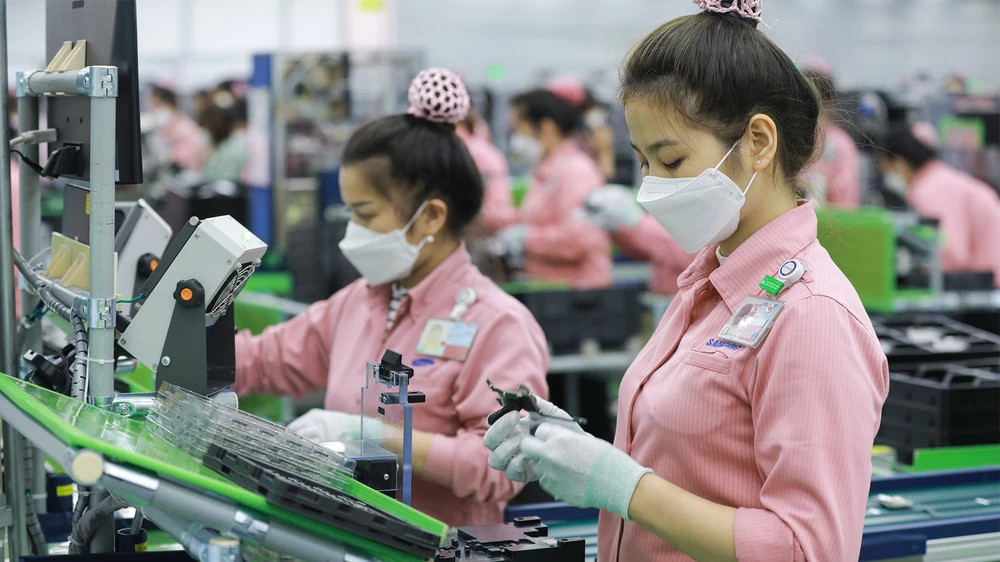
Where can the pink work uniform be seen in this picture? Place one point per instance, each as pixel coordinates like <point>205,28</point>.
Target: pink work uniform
<point>969,215</point>
<point>836,174</point>
<point>783,432</point>
<point>187,142</point>
<point>558,246</point>
<point>498,206</point>
<point>649,242</point>
<point>329,345</point>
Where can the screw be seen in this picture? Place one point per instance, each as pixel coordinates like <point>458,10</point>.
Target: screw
<point>230,262</point>
<point>123,409</point>
<point>86,81</point>
<point>122,341</point>
<point>386,477</point>
<point>165,361</point>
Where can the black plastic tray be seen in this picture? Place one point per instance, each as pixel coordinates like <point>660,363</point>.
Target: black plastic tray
<point>320,502</point>
<point>524,540</point>
<point>608,316</point>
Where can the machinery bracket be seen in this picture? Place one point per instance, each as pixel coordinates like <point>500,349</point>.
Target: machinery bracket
<point>98,313</point>
<point>133,405</point>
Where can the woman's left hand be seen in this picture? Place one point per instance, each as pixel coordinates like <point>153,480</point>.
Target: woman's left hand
<point>582,470</point>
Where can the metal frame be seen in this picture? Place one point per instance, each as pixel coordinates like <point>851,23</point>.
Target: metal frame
<point>187,505</point>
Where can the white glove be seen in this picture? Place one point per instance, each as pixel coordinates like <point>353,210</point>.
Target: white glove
<point>324,426</point>
<point>582,470</point>
<point>613,207</point>
<point>505,436</point>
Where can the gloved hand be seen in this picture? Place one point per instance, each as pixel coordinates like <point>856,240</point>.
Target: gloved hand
<point>613,207</point>
<point>505,436</point>
<point>325,426</point>
<point>582,470</point>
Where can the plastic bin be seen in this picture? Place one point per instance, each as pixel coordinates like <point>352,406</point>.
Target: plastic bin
<point>608,316</point>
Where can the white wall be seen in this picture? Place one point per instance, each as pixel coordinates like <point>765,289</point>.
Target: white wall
<point>870,42</point>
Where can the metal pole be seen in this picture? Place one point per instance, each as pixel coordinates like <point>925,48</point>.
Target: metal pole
<point>31,218</point>
<point>102,279</point>
<point>12,441</point>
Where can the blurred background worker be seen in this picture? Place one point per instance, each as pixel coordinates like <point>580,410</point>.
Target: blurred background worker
<point>638,235</point>
<point>187,143</point>
<point>230,151</point>
<point>498,207</point>
<point>412,190</point>
<point>553,243</point>
<point>968,209</point>
<point>835,176</point>
<point>595,135</point>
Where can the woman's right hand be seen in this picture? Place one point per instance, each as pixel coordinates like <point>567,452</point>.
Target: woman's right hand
<point>504,438</point>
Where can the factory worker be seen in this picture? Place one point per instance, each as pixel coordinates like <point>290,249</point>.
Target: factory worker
<point>412,188</point>
<point>968,209</point>
<point>742,434</point>
<point>835,176</point>
<point>637,234</point>
<point>554,244</point>
<point>498,205</point>
<point>187,142</point>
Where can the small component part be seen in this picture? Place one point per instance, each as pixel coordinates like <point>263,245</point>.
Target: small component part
<point>511,402</point>
<point>147,264</point>
<point>894,502</point>
<point>189,293</point>
<point>391,364</point>
<point>63,161</point>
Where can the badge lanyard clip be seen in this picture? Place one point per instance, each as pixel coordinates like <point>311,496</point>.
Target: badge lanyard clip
<point>463,300</point>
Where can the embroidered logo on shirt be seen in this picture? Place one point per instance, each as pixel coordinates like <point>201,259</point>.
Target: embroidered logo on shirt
<point>423,362</point>
<point>719,343</point>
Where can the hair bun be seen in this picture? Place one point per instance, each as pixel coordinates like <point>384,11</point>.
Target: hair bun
<point>438,95</point>
<point>745,9</point>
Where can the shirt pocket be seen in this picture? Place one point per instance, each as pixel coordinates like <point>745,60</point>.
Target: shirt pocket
<point>694,397</point>
<point>710,361</point>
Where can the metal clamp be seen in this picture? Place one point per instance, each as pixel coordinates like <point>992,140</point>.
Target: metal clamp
<point>92,81</point>
<point>247,527</point>
<point>99,313</point>
<point>133,405</point>
<point>207,546</point>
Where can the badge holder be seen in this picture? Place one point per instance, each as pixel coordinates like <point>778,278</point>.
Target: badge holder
<point>387,404</point>
<point>755,317</point>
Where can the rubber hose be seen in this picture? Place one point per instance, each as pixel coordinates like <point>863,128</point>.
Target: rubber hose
<point>34,526</point>
<point>78,387</point>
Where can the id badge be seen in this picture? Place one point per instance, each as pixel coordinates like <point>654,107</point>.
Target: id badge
<point>752,321</point>
<point>447,339</point>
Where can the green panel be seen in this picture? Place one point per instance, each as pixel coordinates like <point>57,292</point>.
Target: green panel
<point>519,287</point>
<point>863,245</point>
<point>254,317</point>
<point>121,439</point>
<point>950,458</point>
<point>276,283</point>
<point>518,189</point>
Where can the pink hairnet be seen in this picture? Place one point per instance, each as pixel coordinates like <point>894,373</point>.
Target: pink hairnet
<point>749,9</point>
<point>569,90</point>
<point>439,95</point>
<point>925,133</point>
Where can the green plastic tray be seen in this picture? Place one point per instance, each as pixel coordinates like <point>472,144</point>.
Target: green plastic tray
<point>121,439</point>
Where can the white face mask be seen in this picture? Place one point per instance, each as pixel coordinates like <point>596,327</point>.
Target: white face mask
<point>696,211</point>
<point>382,257</point>
<point>895,183</point>
<point>525,149</point>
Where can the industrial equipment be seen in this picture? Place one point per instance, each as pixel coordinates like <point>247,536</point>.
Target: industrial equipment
<point>184,328</point>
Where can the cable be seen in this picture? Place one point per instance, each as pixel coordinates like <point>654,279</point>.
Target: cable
<point>79,370</point>
<point>29,162</point>
<point>39,546</point>
<point>86,525</point>
<point>133,301</point>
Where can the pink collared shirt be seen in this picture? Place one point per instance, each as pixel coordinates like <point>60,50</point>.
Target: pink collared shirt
<point>969,211</point>
<point>836,173</point>
<point>783,432</point>
<point>498,205</point>
<point>329,345</point>
<point>649,242</point>
<point>558,246</point>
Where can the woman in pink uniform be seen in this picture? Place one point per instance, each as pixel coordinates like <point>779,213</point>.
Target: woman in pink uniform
<point>498,205</point>
<point>835,176</point>
<point>188,143</point>
<point>968,209</point>
<point>412,188</point>
<point>757,449</point>
<point>555,244</point>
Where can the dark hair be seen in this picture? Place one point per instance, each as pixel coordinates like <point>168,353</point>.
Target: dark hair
<point>165,95</point>
<point>217,121</point>
<point>536,105</point>
<point>825,86</point>
<point>426,160</point>
<point>718,72</point>
<point>238,111</point>
<point>900,142</point>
